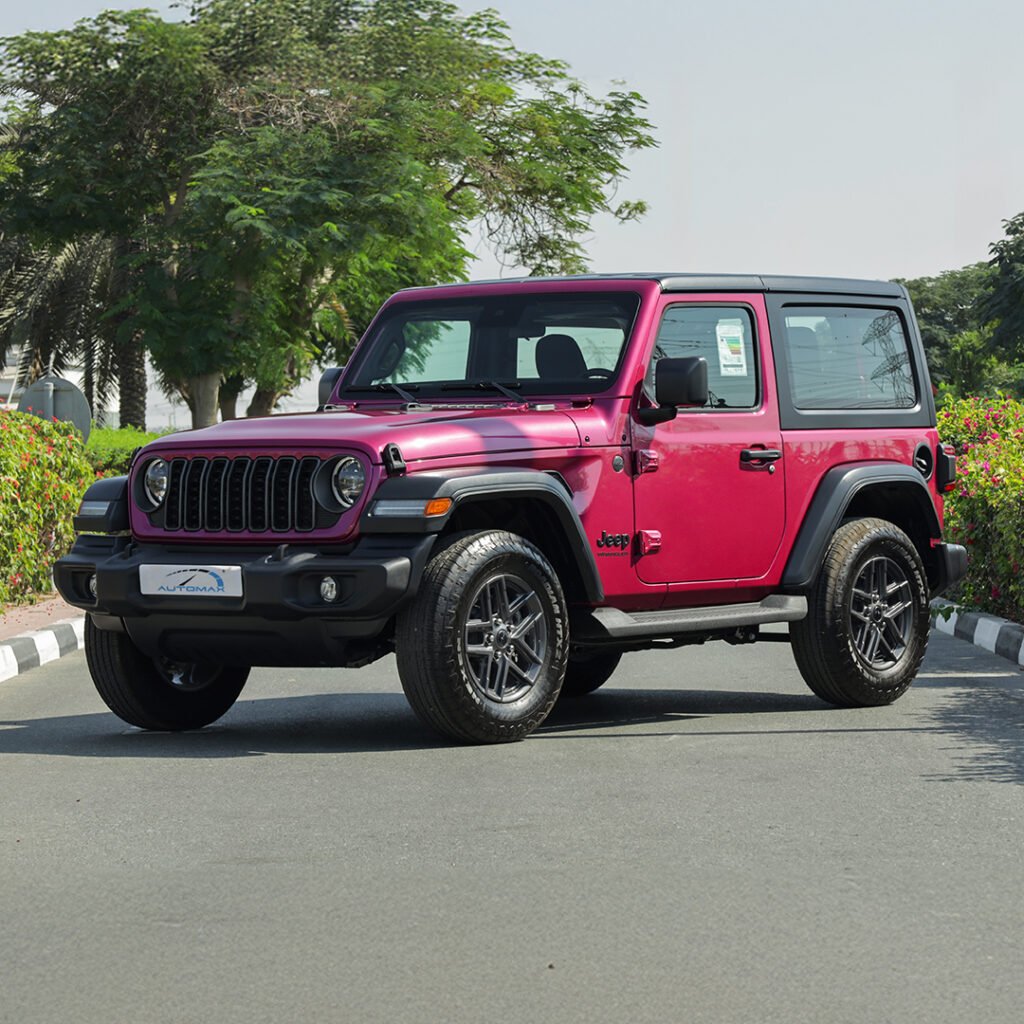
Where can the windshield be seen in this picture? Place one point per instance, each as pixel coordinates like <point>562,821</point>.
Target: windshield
<point>550,344</point>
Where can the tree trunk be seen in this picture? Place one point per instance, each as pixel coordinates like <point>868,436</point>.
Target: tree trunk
<point>263,402</point>
<point>230,389</point>
<point>89,378</point>
<point>131,382</point>
<point>204,390</point>
<point>127,345</point>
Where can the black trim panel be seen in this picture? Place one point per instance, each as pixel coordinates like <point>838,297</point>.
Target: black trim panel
<point>920,415</point>
<point>114,491</point>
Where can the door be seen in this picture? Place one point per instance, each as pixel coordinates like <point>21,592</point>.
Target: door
<point>711,482</point>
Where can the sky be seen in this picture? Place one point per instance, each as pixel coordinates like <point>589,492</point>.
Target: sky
<point>875,139</point>
<point>880,138</point>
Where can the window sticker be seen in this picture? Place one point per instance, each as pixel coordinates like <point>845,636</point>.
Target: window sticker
<point>732,356</point>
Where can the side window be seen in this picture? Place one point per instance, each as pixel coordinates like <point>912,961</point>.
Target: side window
<point>724,336</point>
<point>848,358</point>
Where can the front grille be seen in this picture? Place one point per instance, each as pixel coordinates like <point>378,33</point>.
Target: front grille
<point>243,495</point>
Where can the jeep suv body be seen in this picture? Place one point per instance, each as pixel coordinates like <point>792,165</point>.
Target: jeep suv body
<point>513,483</point>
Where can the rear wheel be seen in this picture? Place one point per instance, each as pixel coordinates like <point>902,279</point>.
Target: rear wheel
<point>158,693</point>
<point>481,650</point>
<point>867,622</point>
<point>588,670</point>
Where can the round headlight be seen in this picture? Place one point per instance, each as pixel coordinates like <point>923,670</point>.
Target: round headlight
<point>155,481</point>
<point>348,481</point>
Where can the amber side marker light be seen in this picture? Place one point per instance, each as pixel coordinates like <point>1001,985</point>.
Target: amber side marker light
<point>437,506</point>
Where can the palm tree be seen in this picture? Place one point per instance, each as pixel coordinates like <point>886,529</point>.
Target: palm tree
<point>57,302</point>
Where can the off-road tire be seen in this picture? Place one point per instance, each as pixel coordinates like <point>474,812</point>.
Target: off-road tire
<point>588,670</point>
<point>439,640</point>
<point>140,690</point>
<point>849,621</point>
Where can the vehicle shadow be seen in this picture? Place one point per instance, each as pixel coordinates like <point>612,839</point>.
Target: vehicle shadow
<point>612,708</point>
<point>983,706</point>
<point>368,722</point>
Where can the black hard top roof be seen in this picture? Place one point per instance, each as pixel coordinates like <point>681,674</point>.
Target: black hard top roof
<point>722,283</point>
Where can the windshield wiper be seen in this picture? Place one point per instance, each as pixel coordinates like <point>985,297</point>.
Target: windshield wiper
<point>488,385</point>
<point>388,385</point>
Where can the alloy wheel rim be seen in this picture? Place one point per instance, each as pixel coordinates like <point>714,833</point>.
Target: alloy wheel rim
<point>505,638</point>
<point>881,613</point>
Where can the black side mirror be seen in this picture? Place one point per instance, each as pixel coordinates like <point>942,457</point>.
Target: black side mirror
<point>327,381</point>
<point>677,383</point>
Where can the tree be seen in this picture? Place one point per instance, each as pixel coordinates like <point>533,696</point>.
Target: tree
<point>975,369</point>
<point>104,121</point>
<point>947,307</point>
<point>371,136</point>
<point>52,300</point>
<point>1004,306</point>
<point>267,173</point>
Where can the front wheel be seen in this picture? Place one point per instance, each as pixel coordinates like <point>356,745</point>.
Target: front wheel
<point>481,650</point>
<point>158,693</point>
<point>866,629</point>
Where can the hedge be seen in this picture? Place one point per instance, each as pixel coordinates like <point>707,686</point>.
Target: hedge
<point>109,451</point>
<point>986,510</point>
<point>43,474</point>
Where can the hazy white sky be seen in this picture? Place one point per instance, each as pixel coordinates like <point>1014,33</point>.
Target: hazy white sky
<point>879,138</point>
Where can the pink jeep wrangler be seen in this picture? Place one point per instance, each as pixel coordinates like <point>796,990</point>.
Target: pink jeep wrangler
<point>514,483</point>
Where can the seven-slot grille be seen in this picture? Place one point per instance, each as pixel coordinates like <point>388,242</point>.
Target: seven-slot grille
<point>244,495</point>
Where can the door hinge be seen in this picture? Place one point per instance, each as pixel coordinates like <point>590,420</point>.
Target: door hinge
<point>646,461</point>
<point>649,541</point>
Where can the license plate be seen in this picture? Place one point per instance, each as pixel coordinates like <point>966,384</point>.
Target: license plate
<point>191,580</point>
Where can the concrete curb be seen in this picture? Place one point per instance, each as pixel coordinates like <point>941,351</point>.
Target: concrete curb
<point>20,653</point>
<point>999,636</point>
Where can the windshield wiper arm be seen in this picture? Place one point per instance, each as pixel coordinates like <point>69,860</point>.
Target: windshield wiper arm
<point>388,385</point>
<point>488,385</point>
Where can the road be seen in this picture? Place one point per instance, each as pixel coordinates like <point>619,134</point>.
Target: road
<point>730,850</point>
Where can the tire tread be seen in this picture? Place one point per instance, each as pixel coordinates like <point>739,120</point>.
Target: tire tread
<point>821,646</point>
<point>426,653</point>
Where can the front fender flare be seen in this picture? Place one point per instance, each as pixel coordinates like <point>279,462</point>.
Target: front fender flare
<point>465,486</point>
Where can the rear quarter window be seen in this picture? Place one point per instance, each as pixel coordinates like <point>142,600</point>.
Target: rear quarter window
<point>848,358</point>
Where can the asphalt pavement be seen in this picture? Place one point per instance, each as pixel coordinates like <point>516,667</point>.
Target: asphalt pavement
<point>701,840</point>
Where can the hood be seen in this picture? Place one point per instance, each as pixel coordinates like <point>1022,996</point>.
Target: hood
<point>420,433</point>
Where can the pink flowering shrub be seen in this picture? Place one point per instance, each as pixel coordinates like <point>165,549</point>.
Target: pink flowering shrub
<point>43,474</point>
<point>986,510</point>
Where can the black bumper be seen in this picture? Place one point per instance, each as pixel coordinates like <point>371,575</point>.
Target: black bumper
<point>280,619</point>
<point>950,566</point>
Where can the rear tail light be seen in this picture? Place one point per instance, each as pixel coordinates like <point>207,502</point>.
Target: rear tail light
<point>945,468</point>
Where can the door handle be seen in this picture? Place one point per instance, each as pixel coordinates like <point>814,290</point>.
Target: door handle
<point>760,455</point>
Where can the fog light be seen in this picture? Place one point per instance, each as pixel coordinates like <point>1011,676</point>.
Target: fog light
<point>91,584</point>
<point>329,589</point>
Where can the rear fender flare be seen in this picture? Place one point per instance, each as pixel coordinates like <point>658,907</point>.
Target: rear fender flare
<point>839,489</point>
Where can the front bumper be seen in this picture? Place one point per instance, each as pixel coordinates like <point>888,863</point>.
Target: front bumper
<point>280,619</point>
